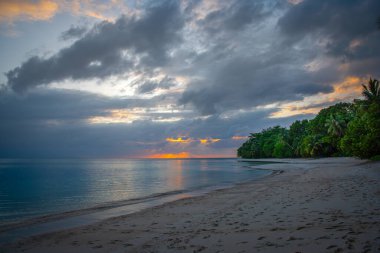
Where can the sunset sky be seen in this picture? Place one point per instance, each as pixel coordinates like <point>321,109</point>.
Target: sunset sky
<point>164,79</point>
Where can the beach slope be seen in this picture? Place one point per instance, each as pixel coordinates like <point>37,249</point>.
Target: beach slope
<point>322,205</point>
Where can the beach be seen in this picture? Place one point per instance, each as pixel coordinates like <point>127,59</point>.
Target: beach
<point>306,205</point>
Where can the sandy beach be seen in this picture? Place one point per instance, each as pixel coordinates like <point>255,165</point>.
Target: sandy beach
<point>321,205</point>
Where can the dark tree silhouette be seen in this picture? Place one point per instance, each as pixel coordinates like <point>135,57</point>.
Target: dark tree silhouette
<point>372,91</point>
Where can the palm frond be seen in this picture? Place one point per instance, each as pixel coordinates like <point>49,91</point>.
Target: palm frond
<point>371,91</point>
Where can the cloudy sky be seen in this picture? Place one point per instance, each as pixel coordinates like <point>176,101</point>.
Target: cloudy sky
<point>191,78</point>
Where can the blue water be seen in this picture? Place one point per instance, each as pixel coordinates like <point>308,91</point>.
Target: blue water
<point>32,188</point>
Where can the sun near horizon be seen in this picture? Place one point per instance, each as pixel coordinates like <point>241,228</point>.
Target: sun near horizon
<point>186,155</point>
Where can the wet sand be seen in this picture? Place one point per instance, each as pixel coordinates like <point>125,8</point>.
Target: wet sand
<point>322,205</point>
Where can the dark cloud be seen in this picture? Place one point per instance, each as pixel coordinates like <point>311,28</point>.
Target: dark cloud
<point>74,140</point>
<point>263,67</point>
<point>99,53</point>
<point>339,23</point>
<point>42,105</point>
<point>244,13</point>
<point>234,17</point>
<point>237,59</point>
<point>149,86</point>
<point>311,88</point>
<point>244,83</point>
<point>53,124</point>
<point>345,30</point>
<point>334,17</point>
<point>73,32</point>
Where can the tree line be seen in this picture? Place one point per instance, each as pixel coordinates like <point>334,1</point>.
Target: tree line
<point>344,129</point>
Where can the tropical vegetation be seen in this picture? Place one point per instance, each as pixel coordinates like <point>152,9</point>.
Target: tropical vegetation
<point>344,129</point>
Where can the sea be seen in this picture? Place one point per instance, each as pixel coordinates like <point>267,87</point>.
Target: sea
<point>34,188</point>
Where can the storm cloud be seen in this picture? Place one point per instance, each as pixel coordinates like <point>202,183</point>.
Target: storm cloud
<point>266,67</point>
<point>234,17</point>
<point>100,52</point>
<point>340,22</point>
<point>244,83</point>
<point>347,28</point>
<point>54,124</point>
<point>186,69</point>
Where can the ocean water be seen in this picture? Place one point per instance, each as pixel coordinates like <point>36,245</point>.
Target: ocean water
<point>33,188</point>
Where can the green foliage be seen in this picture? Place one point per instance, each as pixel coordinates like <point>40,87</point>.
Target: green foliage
<point>375,158</point>
<point>363,134</point>
<point>297,132</point>
<point>271,142</point>
<point>282,148</point>
<point>351,129</point>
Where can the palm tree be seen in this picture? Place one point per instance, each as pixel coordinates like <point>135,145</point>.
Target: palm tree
<point>315,148</point>
<point>372,91</point>
<point>335,126</point>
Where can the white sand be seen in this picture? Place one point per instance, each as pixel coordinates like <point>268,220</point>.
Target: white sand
<point>324,205</point>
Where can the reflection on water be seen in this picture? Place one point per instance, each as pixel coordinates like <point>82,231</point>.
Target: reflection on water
<point>31,188</point>
<point>177,179</point>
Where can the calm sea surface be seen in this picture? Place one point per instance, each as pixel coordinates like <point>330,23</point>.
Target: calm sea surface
<point>31,188</point>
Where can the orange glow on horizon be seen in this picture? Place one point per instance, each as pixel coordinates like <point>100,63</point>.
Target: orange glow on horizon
<point>170,155</point>
<point>184,155</point>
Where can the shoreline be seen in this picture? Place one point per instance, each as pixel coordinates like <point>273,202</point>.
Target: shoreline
<point>242,214</point>
<point>43,224</point>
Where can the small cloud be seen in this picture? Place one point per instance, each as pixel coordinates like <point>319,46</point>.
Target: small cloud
<point>238,138</point>
<point>209,140</point>
<point>27,10</point>
<point>179,140</point>
<point>186,140</point>
<point>102,10</point>
<point>17,10</point>
<point>203,141</point>
<point>152,85</point>
<point>73,33</point>
<point>115,116</point>
<point>293,110</point>
<point>295,2</point>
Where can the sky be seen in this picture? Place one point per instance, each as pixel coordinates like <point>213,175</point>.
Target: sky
<point>167,79</point>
